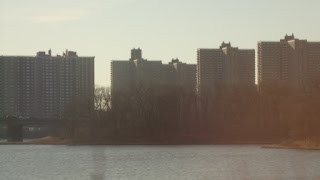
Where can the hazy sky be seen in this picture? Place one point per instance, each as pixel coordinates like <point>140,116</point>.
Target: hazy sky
<point>164,29</point>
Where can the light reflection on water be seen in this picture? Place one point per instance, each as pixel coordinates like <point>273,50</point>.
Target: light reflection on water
<point>156,162</point>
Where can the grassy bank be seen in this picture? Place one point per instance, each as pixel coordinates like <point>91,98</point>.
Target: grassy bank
<point>304,144</point>
<point>49,140</point>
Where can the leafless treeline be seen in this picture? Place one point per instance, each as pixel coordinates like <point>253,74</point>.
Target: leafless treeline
<point>172,115</point>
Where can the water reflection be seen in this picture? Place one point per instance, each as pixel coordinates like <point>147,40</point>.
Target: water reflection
<point>99,163</point>
<point>156,163</point>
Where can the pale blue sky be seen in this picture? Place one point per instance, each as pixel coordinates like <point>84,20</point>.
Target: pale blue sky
<point>164,29</point>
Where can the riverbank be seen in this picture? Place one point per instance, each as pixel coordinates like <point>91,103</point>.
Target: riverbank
<point>289,144</point>
<point>49,140</point>
<point>306,144</point>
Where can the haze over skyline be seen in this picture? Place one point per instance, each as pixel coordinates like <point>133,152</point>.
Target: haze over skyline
<point>164,29</point>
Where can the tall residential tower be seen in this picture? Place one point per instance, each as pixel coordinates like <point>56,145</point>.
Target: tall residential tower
<point>225,67</point>
<point>42,86</point>
<point>290,61</point>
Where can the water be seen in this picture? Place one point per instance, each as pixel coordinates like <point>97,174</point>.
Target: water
<point>156,162</point>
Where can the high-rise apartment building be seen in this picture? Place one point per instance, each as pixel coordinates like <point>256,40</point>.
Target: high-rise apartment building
<point>17,85</point>
<point>290,61</point>
<point>141,72</point>
<point>42,86</point>
<point>226,66</point>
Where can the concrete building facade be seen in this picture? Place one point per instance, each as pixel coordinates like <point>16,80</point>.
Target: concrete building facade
<point>42,86</point>
<point>226,66</point>
<point>291,62</point>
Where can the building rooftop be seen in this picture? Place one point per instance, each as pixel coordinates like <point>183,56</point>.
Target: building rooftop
<point>44,54</point>
<point>225,45</point>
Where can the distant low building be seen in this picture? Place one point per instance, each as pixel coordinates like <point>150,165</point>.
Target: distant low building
<point>127,74</point>
<point>42,86</point>
<point>135,72</point>
<point>181,75</point>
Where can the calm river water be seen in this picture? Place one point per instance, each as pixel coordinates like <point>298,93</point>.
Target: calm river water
<point>156,162</point>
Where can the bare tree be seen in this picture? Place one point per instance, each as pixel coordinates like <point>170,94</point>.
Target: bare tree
<point>102,99</point>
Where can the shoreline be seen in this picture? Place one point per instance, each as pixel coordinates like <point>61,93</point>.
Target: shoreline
<point>289,144</point>
<point>134,144</point>
<point>276,146</point>
<point>304,144</point>
<point>58,141</point>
